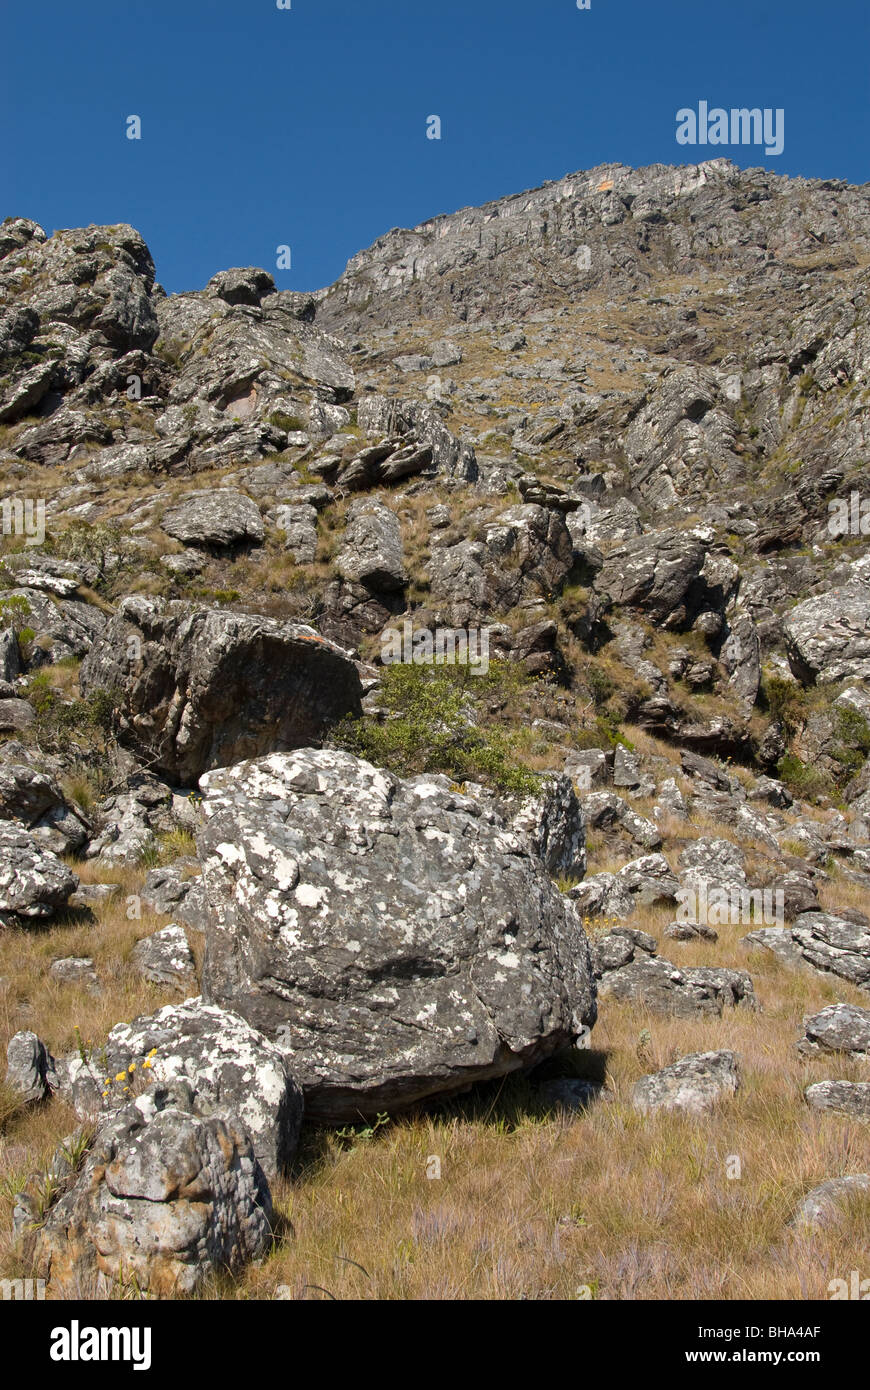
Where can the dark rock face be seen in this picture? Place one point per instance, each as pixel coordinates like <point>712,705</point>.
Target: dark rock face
<point>204,688</point>
<point>396,939</point>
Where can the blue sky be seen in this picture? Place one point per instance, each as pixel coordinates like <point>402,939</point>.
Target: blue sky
<point>264,127</point>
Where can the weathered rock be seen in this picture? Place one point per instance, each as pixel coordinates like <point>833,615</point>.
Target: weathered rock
<point>371,548</point>
<point>209,688</point>
<point>844,1097</point>
<point>299,524</point>
<point>827,638</point>
<point>33,798</point>
<point>230,1069</point>
<point>164,1198</point>
<point>605,810</point>
<point>219,519</point>
<point>694,1085</point>
<point>34,883</point>
<point>165,958</point>
<point>828,1204</point>
<point>75,970</point>
<point>627,969</point>
<point>823,941</point>
<point>397,939</point>
<point>169,891</point>
<point>838,1028</point>
<point>554,822</point>
<point>654,574</point>
<point>130,820</point>
<point>30,1069</point>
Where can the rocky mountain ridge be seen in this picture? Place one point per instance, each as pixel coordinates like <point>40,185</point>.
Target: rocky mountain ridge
<point>619,425</point>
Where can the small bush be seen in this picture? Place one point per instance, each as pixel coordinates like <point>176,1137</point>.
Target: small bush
<point>436,723</point>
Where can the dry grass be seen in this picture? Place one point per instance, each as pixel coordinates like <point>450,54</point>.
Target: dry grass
<point>529,1204</point>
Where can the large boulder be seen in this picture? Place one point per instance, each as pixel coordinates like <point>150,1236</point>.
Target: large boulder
<point>218,519</point>
<point>371,548</point>
<point>34,883</point>
<point>230,1068</point>
<point>655,574</point>
<point>163,1199</point>
<point>397,939</point>
<point>201,688</point>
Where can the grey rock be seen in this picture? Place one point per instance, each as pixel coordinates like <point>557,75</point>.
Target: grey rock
<point>228,1067</point>
<point>694,1085</point>
<point>30,1069</point>
<point>75,970</point>
<point>844,1097</point>
<point>211,688</point>
<point>164,1198</point>
<point>220,518</point>
<point>837,1028</point>
<point>16,716</point>
<point>165,958</point>
<point>605,810</point>
<point>171,891</point>
<point>827,1204</point>
<point>389,970</point>
<point>554,822</point>
<point>34,883</point>
<point>371,548</point>
<point>628,970</point>
<point>299,524</point>
<point>828,637</point>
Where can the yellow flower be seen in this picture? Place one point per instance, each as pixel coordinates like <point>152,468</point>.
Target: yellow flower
<point>122,1076</point>
<point>153,1052</point>
<point>105,1093</point>
<point>147,1063</point>
<point>132,1067</point>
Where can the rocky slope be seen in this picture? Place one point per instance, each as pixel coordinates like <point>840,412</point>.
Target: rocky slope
<point>620,423</point>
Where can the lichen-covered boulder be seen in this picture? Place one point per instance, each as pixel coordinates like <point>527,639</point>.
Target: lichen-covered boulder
<point>397,939</point>
<point>34,883</point>
<point>230,1068</point>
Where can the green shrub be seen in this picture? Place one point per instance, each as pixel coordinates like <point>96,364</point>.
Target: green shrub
<point>437,722</point>
<point>802,780</point>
